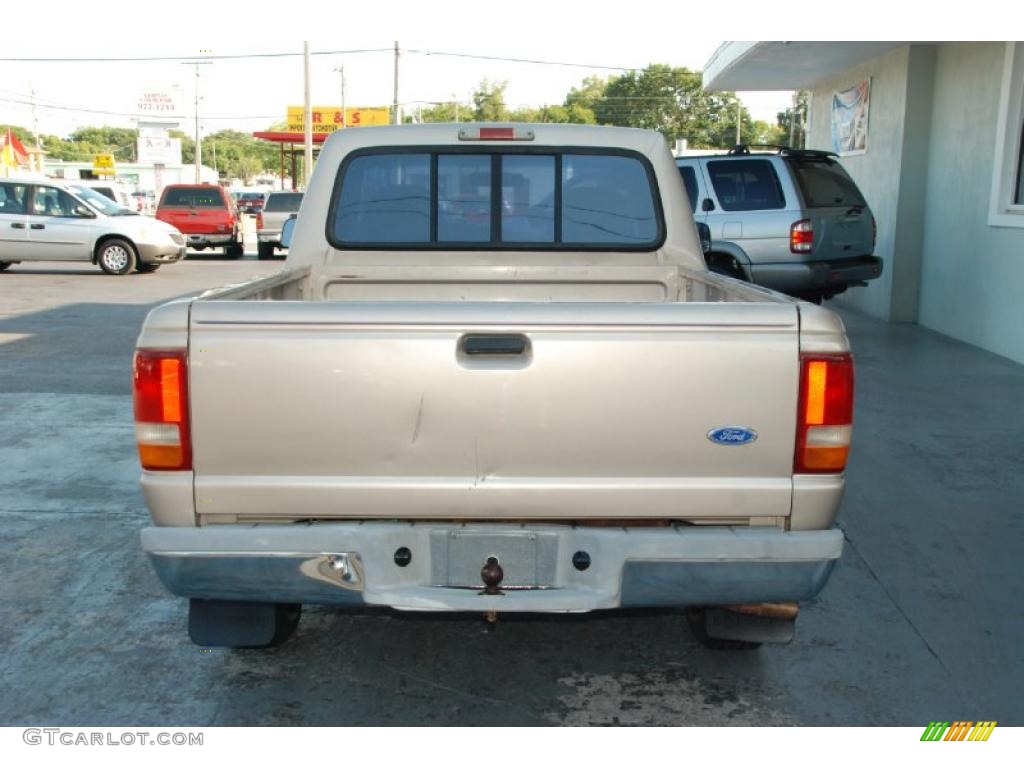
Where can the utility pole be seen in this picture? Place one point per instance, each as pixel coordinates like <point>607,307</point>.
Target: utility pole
<point>199,145</point>
<point>739,120</point>
<point>792,117</point>
<point>456,100</point>
<point>394,108</point>
<point>344,117</point>
<point>308,121</point>
<point>35,120</point>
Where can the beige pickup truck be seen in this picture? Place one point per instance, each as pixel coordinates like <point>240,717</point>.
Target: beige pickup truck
<point>494,375</point>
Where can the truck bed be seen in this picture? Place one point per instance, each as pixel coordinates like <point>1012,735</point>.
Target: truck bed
<point>378,412</point>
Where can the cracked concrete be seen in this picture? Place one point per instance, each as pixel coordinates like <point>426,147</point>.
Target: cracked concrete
<point>921,620</point>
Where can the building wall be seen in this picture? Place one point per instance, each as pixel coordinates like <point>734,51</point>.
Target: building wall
<point>972,274</point>
<point>878,171</point>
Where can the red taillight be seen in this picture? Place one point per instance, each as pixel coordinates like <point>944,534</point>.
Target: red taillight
<point>259,220</point>
<point>825,416</point>
<point>801,236</point>
<point>161,409</point>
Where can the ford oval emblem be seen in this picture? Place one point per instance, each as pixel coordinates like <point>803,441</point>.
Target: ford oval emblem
<point>732,435</point>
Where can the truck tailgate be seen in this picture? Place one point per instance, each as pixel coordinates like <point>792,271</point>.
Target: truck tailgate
<point>461,410</point>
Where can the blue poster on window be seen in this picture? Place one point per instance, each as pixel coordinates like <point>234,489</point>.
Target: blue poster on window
<point>850,119</point>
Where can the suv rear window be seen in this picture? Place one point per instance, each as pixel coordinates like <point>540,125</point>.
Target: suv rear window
<point>746,185</point>
<point>283,201</point>
<point>825,183</point>
<point>498,199</point>
<point>192,197</point>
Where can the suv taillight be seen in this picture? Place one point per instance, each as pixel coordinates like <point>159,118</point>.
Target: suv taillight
<point>801,236</point>
<point>825,416</point>
<point>160,387</point>
<point>259,220</point>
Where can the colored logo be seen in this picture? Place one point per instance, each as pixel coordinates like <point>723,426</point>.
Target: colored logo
<point>732,435</point>
<point>961,730</point>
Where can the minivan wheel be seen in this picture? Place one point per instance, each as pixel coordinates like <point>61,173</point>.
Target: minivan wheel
<point>116,257</point>
<point>236,624</point>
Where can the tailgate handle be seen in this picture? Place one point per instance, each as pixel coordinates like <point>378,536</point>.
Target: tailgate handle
<point>495,344</point>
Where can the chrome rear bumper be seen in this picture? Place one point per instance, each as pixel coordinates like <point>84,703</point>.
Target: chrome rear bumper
<point>355,564</point>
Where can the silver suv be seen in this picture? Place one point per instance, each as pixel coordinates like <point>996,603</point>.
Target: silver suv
<point>790,219</point>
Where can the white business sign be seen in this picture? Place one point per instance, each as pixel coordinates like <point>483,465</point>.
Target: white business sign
<point>160,102</point>
<point>159,150</point>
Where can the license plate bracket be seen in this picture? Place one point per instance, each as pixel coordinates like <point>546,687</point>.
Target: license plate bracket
<point>527,558</point>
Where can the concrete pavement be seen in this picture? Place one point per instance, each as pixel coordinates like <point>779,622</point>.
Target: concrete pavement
<point>921,621</point>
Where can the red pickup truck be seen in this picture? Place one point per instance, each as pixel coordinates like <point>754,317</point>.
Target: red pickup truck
<point>205,214</point>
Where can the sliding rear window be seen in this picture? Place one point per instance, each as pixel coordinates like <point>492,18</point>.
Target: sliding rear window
<point>283,202</point>
<point>824,183</point>
<point>542,199</point>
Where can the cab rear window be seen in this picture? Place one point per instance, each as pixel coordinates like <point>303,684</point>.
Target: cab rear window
<point>192,197</point>
<point>283,201</point>
<point>543,199</point>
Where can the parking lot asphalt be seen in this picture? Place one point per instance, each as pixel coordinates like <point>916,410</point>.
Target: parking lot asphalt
<point>922,620</point>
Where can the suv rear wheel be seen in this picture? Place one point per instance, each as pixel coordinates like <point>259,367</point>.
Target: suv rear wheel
<point>265,250</point>
<point>234,250</point>
<point>724,264</point>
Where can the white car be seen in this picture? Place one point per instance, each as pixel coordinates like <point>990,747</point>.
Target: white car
<point>46,220</point>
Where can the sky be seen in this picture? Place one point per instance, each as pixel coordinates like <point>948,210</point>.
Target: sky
<point>252,93</point>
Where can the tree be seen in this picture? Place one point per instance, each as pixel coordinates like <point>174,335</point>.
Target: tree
<point>666,99</point>
<point>791,129</point>
<point>489,102</point>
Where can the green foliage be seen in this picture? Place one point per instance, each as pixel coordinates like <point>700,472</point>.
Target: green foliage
<point>670,100</point>
<point>489,103</point>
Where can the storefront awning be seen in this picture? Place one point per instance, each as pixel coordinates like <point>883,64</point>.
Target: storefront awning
<point>785,66</point>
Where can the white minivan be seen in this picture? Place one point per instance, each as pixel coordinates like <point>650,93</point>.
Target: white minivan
<point>46,220</point>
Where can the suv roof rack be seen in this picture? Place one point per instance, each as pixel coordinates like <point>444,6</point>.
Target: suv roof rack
<point>744,149</point>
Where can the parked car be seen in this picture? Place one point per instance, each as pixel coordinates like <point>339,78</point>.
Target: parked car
<point>205,213</point>
<point>790,219</point>
<point>279,207</point>
<point>145,201</point>
<point>50,221</point>
<point>113,190</point>
<point>451,402</point>
<point>251,202</point>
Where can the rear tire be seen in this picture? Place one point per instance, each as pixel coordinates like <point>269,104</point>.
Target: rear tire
<point>144,268</point>
<point>116,257</point>
<point>235,624</point>
<point>4,265</point>
<point>234,250</point>
<point>265,251</point>
<point>697,619</point>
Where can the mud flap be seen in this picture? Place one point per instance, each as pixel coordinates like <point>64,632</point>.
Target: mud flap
<point>235,624</point>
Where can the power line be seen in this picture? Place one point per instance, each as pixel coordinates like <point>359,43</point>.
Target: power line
<point>516,60</point>
<point>106,59</point>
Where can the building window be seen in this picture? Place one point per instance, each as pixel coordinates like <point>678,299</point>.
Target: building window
<point>1006,208</point>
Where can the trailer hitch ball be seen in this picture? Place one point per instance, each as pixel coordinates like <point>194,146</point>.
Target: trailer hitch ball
<point>491,575</point>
